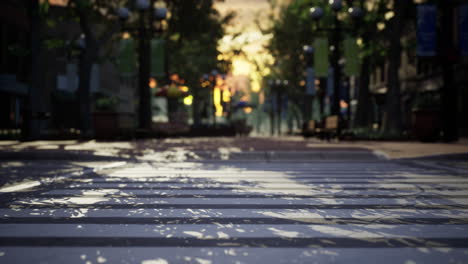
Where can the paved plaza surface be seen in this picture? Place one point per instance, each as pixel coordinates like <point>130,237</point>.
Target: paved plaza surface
<point>338,205</point>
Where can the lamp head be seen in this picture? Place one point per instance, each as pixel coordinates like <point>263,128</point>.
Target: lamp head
<point>316,13</point>
<point>142,4</point>
<point>356,12</point>
<point>81,42</point>
<point>308,49</point>
<point>123,13</point>
<point>160,13</point>
<point>336,5</point>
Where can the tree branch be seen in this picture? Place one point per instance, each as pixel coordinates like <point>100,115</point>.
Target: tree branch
<point>109,33</point>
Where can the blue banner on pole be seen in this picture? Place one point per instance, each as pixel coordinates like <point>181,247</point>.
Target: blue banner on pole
<point>284,107</point>
<point>310,81</point>
<point>344,91</point>
<point>426,30</point>
<point>463,30</point>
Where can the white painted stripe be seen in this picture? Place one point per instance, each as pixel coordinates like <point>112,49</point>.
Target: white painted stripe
<point>201,179</point>
<point>237,213</point>
<point>254,191</point>
<point>271,173</point>
<point>28,184</point>
<point>267,185</point>
<point>226,255</point>
<point>111,165</point>
<point>253,171</point>
<point>218,231</point>
<point>244,201</point>
<point>20,186</point>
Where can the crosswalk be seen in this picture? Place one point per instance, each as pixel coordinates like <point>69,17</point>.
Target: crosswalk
<point>242,212</point>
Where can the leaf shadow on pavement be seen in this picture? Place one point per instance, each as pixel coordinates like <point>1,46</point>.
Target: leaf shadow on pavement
<point>319,209</point>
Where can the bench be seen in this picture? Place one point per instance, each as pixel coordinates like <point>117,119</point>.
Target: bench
<point>309,128</point>
<point>330,128</point>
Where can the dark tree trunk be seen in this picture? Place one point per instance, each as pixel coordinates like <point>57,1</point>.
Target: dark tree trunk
<point>363,113</point>
<point>144,109</point>
<point>449,91</point>
<point>392,122</point>
<point>196,107</point>
<point>86,63</point>
<point>278,113</point>
<point>35,71</point>
<point>88,56</point>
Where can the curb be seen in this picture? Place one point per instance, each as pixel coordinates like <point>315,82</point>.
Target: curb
<point>430,164</point>
<point>55,155</point>
<point>290,156</point>
<point>381,155</point>
<point>30,184</point>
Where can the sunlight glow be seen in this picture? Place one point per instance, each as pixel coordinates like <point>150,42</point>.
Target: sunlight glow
<point>217,101</point>
<point>241,67</point>
<point>389,15</point>
<point>360,42</point>
<point>188,100</point>
<point>125,35</point>
<point>380,26</point>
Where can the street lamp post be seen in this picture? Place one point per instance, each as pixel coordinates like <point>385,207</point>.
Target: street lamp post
<point>144,55</point>
<point>317,13</point>
<point>144,52</point>
<point>449,90</point>
<point>213,75</point>
<point>276,87</point>
<point>308,55</point>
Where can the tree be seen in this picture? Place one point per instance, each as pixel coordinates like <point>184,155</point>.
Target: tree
<point>90,14</point>
<point>193,34</point>
<point>291,30</point>
<point>392,123</point>
<point>35,71</point>
<point>373,53</point>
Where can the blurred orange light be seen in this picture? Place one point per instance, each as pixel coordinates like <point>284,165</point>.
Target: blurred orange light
<point>248,110</point>
<point>56,2</point>
<point>219,81</point>
<point>343,104</point>
<point>126,35</point>
<point>174,77</point>
<point>153,83</point>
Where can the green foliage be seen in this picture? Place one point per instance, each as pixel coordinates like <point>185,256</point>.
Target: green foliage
<point>194,31</point>
<point>104,102</point>
<point>18,50</point>
<point>44,8</point>
<point>54,43</point>
<point>427,101</point>
<point>365,133</point>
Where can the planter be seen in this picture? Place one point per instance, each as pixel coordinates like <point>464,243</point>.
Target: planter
<point>106,125</point>
<point>426,124</point>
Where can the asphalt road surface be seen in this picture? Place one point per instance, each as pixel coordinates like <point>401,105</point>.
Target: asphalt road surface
<point>241,211</point>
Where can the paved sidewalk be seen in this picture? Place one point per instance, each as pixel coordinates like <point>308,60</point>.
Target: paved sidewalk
<point>93,150</point>
<point>241,212</point>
